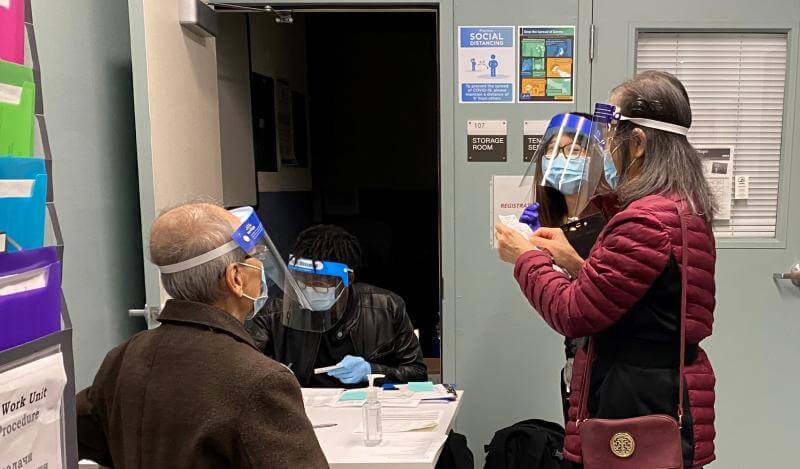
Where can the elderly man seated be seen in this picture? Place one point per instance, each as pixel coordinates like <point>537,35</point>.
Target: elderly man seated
<point>196,392</point>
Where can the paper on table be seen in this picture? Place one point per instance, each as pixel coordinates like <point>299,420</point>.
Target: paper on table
<point>398,421</point>
<point>439,392</point>
<point>425,386</point>
<point>316,401</point>
<point>353,396</point>
<point>320,397</point>
<point>401,403</point>
<point>394,447</point>
<point>332,398</point>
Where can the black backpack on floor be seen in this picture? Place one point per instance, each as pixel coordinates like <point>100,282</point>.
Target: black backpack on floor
<point>530,444</point>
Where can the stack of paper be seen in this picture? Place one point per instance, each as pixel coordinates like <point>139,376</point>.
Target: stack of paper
<point>320,397</point>
<point>398,421</point>
<point>422,447</point>
<point>355,398</point>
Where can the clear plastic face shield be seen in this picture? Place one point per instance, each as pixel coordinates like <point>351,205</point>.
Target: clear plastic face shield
<point>252,238</point>
<point>322,284</point>
<point>582,230</point>
<point>605,121</point>
<point>569,160</point>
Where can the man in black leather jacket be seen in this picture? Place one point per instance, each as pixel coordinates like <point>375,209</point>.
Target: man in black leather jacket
<point>373,330</point>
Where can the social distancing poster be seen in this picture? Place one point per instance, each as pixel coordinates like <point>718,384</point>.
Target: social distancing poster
<point>546,70</point>
<point>486,64</point>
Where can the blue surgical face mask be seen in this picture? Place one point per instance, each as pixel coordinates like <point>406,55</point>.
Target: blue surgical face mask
<point>261,299</point>
<point>564,174</point>
<point>610,170</point>
<point>320,301</point>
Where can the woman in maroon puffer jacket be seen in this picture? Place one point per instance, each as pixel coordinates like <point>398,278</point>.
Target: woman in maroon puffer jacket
<point>626,294</point>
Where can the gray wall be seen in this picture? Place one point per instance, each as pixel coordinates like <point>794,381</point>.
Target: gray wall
<point>507,358</point>
<point>84,49</point>
<point>235,116</point>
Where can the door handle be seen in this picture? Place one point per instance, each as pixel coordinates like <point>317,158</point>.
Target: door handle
<point>793,275</point>
<point>149,313</point>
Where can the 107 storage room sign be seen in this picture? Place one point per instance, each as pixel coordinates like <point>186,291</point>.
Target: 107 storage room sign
<point>486,141</point>
<point>30,414</point>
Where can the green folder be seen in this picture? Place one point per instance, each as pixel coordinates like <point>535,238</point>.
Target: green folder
<point>17,105</point>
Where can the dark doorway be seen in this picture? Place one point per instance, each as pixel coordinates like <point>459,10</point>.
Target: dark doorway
<point>374,88</point>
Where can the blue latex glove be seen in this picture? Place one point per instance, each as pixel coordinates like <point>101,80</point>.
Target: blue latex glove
<point>352,370</point>
<point>530,216</point>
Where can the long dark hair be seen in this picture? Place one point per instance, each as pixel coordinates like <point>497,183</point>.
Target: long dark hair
<point>553,208</point>
<point>670,163</point>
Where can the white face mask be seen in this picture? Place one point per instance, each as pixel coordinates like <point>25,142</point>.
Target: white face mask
<point>261,299</point>
<point>320,301</point>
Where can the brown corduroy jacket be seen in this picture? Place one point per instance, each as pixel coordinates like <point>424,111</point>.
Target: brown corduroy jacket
<point>195,393</point>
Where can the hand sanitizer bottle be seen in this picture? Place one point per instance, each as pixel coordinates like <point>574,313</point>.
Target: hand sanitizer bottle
<point>372,414</point>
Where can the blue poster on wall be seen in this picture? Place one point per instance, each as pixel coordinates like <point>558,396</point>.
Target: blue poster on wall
<point>486,64</point>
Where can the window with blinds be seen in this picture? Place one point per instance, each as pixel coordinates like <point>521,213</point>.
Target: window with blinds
<point>736,85</point>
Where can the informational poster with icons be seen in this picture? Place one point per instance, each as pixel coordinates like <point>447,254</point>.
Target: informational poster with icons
<point>546,64</point>
<point>486,65</point>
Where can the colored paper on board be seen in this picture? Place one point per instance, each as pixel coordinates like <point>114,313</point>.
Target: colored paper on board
<point>17,106</point>
<point>23,201</point>
<point>12,31</point>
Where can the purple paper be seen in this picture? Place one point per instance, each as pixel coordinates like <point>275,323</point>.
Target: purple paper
<point>29,315</point>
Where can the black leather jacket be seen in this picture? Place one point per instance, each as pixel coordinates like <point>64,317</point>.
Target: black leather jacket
<point>377,324</point>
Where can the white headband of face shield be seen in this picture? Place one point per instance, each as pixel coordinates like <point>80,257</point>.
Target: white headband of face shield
<point>654,124</point>
<point>197,260</point>
<point>244,237</point>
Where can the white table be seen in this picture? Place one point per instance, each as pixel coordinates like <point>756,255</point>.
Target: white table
<point>344,448</point>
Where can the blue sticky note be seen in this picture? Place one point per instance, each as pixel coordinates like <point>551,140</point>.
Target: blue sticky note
<point>425,386</point>
<point>353,396</point>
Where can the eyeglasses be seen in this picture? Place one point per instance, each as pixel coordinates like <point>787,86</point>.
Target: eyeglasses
<point>317,288</point>
<point>261,267</point>
<point>570,150</point>
<point>318,283</point>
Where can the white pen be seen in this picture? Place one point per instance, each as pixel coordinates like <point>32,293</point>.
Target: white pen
<point>325,425</point>
<point>318,371</point>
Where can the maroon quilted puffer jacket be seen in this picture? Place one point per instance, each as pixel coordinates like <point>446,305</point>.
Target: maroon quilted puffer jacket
<point>627,296</point>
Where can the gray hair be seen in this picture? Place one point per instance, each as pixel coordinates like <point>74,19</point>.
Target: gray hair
<point>670,163</point>
<point>186,231</point>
